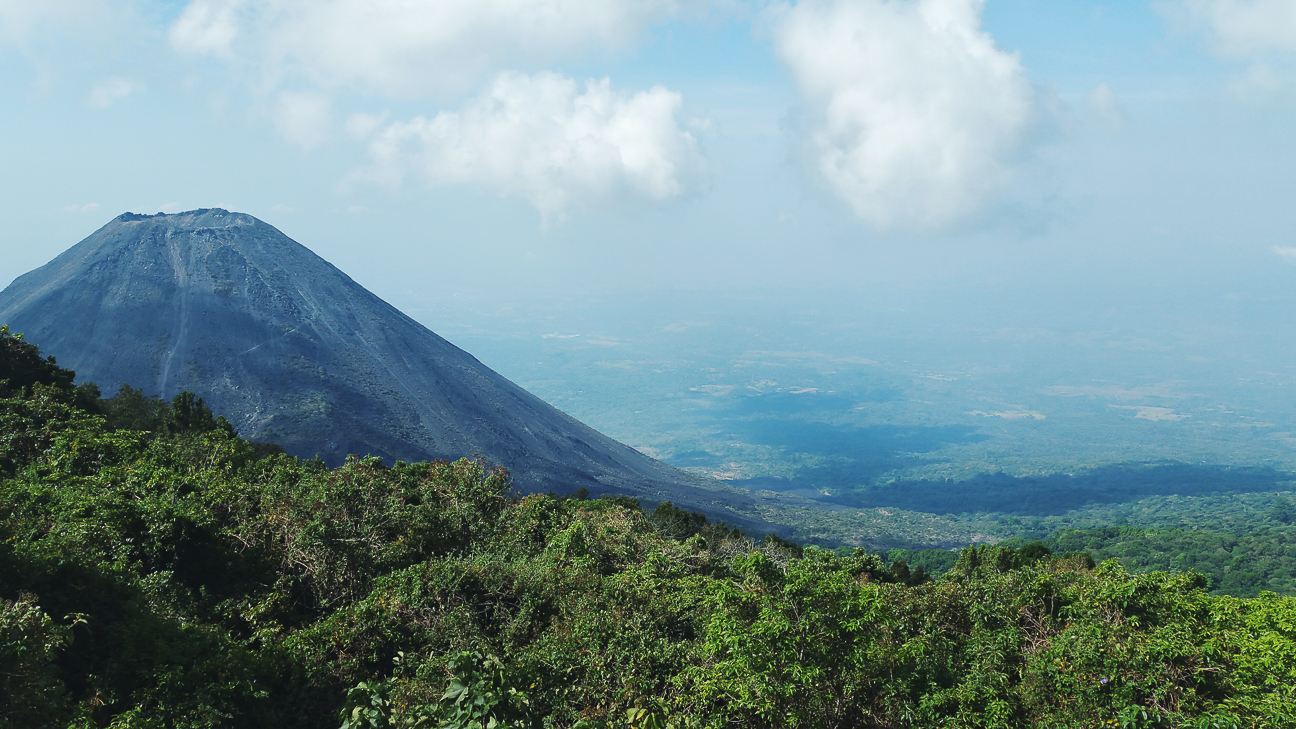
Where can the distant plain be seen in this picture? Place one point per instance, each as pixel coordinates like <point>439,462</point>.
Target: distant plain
<point>1147,407</point>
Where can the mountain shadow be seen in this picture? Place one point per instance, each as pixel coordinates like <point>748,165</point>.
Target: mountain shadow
<point>1059,493</point>
<point>848,454</point>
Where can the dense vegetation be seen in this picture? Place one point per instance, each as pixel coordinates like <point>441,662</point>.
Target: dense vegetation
<point>1240,564</point>
<point>157,571</point>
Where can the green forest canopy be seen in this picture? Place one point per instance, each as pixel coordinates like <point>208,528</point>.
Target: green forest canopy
<point>157,571</point>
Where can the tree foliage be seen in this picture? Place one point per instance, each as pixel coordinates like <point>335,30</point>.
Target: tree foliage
<point>22,367</point>
<point>157,571</point>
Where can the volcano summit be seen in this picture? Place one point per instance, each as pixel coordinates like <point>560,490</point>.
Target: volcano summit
<point>291,350</point>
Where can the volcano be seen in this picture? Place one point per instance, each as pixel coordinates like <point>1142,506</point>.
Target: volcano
<point>291,350</point>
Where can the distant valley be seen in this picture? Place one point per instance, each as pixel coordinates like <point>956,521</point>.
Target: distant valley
<point>972,420</point>
<point>880,421</point>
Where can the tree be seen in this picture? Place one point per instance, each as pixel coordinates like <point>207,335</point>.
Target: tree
<point>1282,511</point>
<point>131,409</point>
<point>190,415</point>
<point>22,366</point>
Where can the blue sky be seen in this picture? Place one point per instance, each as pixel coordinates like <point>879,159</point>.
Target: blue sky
<point>649,144</point>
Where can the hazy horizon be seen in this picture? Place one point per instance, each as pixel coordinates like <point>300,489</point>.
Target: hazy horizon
<point>1075,192</point>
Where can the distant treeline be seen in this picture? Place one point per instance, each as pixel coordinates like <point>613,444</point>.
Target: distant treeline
<point>1242,565</point>
<point>157,571</point>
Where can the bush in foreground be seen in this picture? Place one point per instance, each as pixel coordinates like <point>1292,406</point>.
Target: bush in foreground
<point>180,577</point>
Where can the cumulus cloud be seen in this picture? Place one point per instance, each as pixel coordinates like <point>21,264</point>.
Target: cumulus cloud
<point>1262,32</point>
<point>916,117</point>
<point>17,19</point>
<point>206,27</point>
<point>67,36</point>
<point>110,91</point>
<point>361,126</point>
<point>542,137</point>
<point>411,48</point>
<point>20,20</point>
<point>303,117</point>
<point>1104,104</point>
<point>536,136</point>
<point>1241,27</point>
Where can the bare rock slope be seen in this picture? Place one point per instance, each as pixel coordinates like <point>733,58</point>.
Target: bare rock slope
<point>293,351</point>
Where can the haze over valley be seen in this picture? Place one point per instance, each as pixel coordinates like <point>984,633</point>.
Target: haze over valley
<point>1022,391</point>
<point>630,364</point>
<point>912,399</point>
<point>692,229</point>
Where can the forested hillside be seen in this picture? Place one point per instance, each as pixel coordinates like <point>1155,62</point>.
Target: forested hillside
<point>1241,564</point>
<point>157,571</point>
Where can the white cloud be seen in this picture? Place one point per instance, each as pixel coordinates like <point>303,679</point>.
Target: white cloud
<point>21,20</point>
<point>1104,104</point>
<point>541,137</point>
<point>87,208</point>
<point>408,48</point>
<point>917,118</point>
<point>361,126</point>
<point>1241,27</point>
<point>60,39</point>
<point>306,57</point>
<point>206,27</point>
<point>110,91</point>
<point>303,117</point>
<point>18,18</point>
<point>1285,252</point>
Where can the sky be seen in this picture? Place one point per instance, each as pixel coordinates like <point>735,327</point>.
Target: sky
<point>522,147</point>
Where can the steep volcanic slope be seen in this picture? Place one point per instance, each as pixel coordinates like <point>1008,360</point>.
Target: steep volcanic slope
<point>293,351</point>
